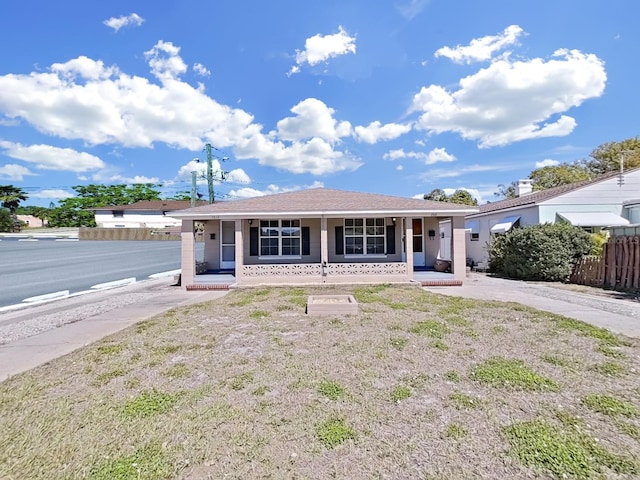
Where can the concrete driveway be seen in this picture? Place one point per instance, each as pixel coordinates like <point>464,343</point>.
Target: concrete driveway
<point>602,308</point>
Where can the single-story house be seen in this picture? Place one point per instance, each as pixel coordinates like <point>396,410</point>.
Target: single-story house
<point>320,236</point>
<point>611,200</point>
<point>32,222</point>
<point>142,214</point>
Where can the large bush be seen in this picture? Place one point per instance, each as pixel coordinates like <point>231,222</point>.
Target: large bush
<point>545,252</point>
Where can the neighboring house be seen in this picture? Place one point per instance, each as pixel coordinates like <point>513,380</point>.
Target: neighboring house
<point>322,236</point>
<point>142,214</point>
<point>31,222</point>
<point>608,201</point>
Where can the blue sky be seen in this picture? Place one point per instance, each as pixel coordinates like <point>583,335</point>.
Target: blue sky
<point>396,97</point>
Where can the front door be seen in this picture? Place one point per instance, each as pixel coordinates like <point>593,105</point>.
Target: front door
<point>228,245</point>
<point>418,243</point>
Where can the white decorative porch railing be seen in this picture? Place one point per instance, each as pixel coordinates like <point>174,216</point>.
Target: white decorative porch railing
<point>333,269</point>
<point>287,270</point>
<point>391,268</point>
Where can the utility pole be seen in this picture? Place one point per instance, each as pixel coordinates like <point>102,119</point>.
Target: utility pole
<point>194,188</point>
<point>210,173</point>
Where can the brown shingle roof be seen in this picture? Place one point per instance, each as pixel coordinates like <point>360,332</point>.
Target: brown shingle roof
<point>325,201</point>
<point>156,205</point>
<point>541,195</point>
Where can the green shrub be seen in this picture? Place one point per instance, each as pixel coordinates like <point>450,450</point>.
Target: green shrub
<point>545,252</point>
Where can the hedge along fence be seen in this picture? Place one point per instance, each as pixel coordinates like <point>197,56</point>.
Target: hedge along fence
<point>618,267</point>
<point>86,233</point>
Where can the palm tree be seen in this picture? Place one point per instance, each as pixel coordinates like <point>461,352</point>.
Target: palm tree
<point>10,197</point>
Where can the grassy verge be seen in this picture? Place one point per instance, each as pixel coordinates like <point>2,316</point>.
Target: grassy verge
<point>416,385</point>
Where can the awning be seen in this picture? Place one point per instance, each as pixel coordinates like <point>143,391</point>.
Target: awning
<point>594,219</point>
<point>505,224</point>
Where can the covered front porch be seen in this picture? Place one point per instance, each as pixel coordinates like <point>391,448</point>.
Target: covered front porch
<point>243,252</point>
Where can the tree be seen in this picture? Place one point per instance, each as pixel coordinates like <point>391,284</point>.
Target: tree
<point>544,252</point>
<point>6,220</point>
<point>556,175</point>
<point>463,197</point>
<point>10,197</point>
<point>506,191</point>
<point>459,196</point>
<point>73,212</point>
<point>606,158</point>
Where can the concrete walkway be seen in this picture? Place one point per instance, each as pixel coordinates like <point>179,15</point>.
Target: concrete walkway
<point>605,309</point>
<point>157,296</point>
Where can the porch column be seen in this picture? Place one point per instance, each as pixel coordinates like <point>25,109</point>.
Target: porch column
<point>324,248</point>
<point>458,249</point>
<point>188,254</point>
<point>239,251</point>
<point>408,245</point>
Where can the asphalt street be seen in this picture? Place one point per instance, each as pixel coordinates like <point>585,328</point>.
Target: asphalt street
<point>34,268</point>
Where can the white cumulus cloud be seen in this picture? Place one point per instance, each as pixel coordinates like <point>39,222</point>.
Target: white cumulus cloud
<point>51,193</point>
<point>201,70</point>
<point>47,157</point>
<point>320,48</point>
<point>547,162</point>
<point>14,173</point>
<point>511,101</point>
<point>124,21</point>
<point>376,132</point>
<point>434,156</point>
<point>481,49</point>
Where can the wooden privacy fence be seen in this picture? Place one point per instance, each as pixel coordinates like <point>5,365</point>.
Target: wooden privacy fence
<point>618,267</point>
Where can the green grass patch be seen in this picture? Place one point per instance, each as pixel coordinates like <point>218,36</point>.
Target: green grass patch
<point>179,370</point>
<point>150,461</point>
<point>458,321</point>
<point>511,374</point>
<point>106,377</point>
<point>609,405</point>
<point>149,403</point>
<point>613,352</point>
<point>610,369</point>
<point>539,444</point>
<point>240,381</point>
<point>629,429</point>
<point>430,328</point>
<point>455,431</point>
<point>111,349</point>
<point>399,393</point>
<point>334,431</point>
<point>601,334</point>
<point>452,376</point>
<point>369,294</point>
<point>557,360</point>
<point>462,401</point>
<point>398,342</point>
<point>440,345</point>
<point>261,390</point>
<point>258,314</point>
<point>331,389</point>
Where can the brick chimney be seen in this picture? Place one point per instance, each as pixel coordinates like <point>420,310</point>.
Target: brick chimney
<point>524,187</point>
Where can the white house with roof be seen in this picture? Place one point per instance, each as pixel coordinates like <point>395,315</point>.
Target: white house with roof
<point>321,236</point>
<point>608,201</point>
<point>142,214</point>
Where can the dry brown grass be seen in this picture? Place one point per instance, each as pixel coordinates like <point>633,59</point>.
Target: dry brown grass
<point>249,386</point>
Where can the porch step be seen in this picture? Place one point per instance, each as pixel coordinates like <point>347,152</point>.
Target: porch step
<point>441,283</point>
<point>208,286</point>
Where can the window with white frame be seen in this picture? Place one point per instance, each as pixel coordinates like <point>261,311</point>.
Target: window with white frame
<point>364,236</point>
<point>280,238</point>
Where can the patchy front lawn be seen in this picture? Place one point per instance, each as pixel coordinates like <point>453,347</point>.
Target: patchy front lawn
<point>416,385</point>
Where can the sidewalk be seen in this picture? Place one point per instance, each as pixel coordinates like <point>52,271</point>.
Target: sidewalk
<point>602,310</point>
<point>27,353</point>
